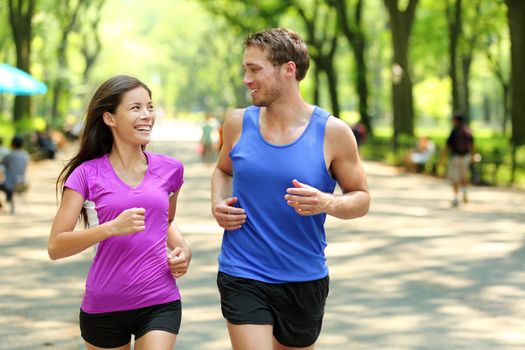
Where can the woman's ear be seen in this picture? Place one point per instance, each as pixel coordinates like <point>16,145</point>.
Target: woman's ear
<point>108,119</point>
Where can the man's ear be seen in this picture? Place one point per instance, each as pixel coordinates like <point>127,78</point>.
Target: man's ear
<point>290,68</point>
<point>108,119</point>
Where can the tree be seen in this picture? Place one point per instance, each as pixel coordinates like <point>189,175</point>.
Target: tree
<point>400,26</point>
<point>5,48</point>
<point>321,37</point>
<point>495,43</point>
<point>90,43</point>
<point>352,29</point>
<point>240,18</point>
<point>464,31</point>
<point>472,30</point>
<point>20,18</point>
<point>5,35</point>
<point>67,17</point>
<point>454,31</point>
<point>516,13</point>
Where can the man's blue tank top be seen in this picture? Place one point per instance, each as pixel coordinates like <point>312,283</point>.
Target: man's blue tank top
<point>277,245</point>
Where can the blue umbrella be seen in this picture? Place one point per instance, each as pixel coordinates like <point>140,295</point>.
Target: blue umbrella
<point>18,82</point>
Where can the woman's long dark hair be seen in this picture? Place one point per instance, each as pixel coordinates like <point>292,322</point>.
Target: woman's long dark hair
<point>96,138</point>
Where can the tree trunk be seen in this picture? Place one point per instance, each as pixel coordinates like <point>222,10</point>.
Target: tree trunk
<point>316,80</point>
<point>332,88</point>
<point>324,40</point>
<point>466,62</point>
<point>20,18</point>
<point>454,31</point>
<point>69,19</point>
<point>362,85</point>
<point>91,44</point>
<point>505,97</point>
<point>400,26</point>
<point>502,79</point>
<point>516,13</point>
<point>354,33</point>
<point>467,53</point>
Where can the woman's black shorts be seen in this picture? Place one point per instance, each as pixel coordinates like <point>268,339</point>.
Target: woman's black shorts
<point>114,329</point>
<point>295,309</point>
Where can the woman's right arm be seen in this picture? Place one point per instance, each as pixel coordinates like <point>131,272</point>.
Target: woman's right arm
<point>64,241</point>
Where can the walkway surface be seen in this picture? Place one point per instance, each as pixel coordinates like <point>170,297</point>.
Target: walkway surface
<point>413,274</point>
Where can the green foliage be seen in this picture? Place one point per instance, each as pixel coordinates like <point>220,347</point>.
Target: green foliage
<point>7,129</point>
<point>432,101</point>
<point>189,52</point>
<point>429,42</point>
<point>27,125</point>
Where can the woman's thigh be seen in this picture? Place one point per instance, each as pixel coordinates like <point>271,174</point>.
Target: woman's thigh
<point>156,340</point>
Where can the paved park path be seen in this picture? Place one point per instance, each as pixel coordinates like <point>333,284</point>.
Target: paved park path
<point>413,274</point>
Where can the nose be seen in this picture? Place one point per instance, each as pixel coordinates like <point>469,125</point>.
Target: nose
<point>147,114</point>
<point>246,79</point>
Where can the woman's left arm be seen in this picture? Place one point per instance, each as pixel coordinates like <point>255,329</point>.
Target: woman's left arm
<point>180,256</point>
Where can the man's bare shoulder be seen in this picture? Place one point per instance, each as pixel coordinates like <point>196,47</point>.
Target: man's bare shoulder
<point>338,130</point>
<point>235,114</point>
<point>233,125</point>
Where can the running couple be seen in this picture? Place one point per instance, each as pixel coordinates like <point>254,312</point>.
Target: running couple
<point>271,191</point>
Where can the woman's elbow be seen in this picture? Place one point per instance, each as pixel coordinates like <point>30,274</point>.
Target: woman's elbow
<point>52,252</point>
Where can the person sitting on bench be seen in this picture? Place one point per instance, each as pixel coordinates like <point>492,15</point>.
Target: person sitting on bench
<point>15,164</point>
<point>416,159</point>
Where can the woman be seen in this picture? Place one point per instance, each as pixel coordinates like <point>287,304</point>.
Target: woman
<point>127,198</point>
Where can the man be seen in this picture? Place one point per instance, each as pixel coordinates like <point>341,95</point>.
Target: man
<point>460,145</point>
<point>15,164</point>
<point>271,191</point>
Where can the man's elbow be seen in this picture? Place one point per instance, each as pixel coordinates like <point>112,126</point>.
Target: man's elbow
<point>362,208</point>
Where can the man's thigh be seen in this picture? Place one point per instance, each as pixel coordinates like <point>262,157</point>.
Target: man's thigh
<point>250,336</point>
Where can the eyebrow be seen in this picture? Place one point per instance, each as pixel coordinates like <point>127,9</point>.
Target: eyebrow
<point>133,104</point>
<point>251,65</point>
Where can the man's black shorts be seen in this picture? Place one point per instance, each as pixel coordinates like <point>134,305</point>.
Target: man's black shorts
<point>295,309</point>
<point>114,329</point>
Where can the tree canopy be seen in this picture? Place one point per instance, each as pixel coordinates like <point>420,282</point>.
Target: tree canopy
<point>399,63</point>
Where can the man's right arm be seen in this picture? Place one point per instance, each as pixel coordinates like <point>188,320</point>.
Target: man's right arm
<point>227,216</point>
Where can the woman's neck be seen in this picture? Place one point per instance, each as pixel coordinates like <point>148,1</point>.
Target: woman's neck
<point>127,158</point>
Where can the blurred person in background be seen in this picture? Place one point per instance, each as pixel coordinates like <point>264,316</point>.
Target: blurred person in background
<point>208,139</point>
<point>14,167</point>
<point>460,149</point>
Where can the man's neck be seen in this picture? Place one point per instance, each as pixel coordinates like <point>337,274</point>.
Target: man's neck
<point>289,107</point>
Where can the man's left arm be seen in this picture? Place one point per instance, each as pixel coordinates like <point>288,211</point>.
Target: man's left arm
<point>345,166</point>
